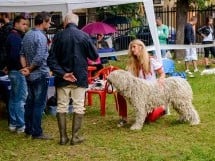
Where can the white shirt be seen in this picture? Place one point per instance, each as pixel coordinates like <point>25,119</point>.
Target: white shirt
<point>155,65</point>
<point>209,37</point>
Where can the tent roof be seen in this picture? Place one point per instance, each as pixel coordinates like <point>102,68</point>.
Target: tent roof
<point>56,5</point>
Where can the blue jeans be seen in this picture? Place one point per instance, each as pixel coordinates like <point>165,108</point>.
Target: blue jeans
<point>17,99</point>
<point>35,105</point>
<point>163,53</point>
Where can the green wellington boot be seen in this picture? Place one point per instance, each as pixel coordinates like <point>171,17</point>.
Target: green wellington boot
<point>76,125</point>
<point>61,118</point>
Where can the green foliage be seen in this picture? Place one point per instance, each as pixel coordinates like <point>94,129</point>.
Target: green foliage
<point>119,9</point>
<point>199,3</point>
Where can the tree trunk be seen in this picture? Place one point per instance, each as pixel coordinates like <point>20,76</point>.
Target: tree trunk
<point>182,8</point>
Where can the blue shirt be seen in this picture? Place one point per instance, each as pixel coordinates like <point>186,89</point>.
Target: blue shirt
<point>35,50</point>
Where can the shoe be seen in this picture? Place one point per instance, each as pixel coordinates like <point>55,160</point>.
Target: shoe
<point>42,137</point>
<point>191,76</point>
<point>207,67</point>
<point>121,123</point>
<point>195,70</point>
<point>12,128</point>
<point>20,130</point>
<point>27,135</point>
<point>188,71</point>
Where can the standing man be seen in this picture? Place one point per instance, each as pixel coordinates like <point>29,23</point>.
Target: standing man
<point>34,55</point>
<point>68,61</point>
<point>163,34</point>
<point>5,30</point>
<point>18,92</point>
<point>189,39</point>
<point>207,33</point>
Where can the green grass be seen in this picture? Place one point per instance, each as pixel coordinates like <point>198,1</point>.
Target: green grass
<point>164,140</point>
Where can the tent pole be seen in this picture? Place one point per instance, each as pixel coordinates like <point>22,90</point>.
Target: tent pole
<point>150,14</point>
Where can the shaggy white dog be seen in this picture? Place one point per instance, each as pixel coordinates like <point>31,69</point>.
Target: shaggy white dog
<point>144,96</point>
<point>208,71</point>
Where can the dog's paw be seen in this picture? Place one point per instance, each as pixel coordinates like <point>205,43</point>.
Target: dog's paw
<point>136,127</point>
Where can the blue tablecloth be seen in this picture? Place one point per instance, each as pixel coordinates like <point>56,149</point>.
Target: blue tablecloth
<point>106,50</point>
<point>168,65</point>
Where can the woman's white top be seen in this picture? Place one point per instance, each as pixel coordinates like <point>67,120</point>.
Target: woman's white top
<point>155,65</point>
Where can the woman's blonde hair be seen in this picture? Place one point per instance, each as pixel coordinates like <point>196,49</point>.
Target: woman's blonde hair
<point>136,63</point>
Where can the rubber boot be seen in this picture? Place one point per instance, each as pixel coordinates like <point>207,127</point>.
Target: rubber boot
<point>76,125</point>
<point>61,118</point>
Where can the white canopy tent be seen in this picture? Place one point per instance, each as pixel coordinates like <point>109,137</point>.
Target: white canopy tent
<point>65,6</point>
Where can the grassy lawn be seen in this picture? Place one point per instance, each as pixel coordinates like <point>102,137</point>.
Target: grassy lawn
<point>164,140</point>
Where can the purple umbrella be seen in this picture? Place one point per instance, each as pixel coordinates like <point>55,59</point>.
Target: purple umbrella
<point>98,28</point>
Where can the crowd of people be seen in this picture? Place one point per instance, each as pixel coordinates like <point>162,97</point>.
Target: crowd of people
<point>26,58</point>
<point>28,61</point>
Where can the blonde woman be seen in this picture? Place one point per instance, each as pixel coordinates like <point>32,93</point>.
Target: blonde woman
<point>143,66</point>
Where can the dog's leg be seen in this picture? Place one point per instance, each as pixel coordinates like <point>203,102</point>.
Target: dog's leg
<point>194,118</point>
<point>187,113</point>
<point>140,118</point>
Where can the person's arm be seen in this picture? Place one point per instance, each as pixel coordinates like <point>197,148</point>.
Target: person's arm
<point>92,53</point>
<point>165,32</point>
<point>162,75</point>
<point>200,31</point>
<point>158,68</point>
<point>23,61</point>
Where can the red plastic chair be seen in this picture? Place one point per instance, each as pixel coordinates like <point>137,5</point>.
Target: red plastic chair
<point>101,92</point>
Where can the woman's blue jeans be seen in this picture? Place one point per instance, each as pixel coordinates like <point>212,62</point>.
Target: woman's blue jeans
<point>17,99</point>
<point>35,105</point>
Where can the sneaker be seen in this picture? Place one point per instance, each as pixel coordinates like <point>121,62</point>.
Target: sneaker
<point>191,75</point>
<point>20,130</point>
<point>188,71</point>
<point>12,128</point>
<point>121,123</point>
<point>196,70</point>
<point>42,137</point>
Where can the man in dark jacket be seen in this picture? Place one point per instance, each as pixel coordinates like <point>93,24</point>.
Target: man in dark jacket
<point>68,61</point>
<point>18,92</point>
<point>189,39</point>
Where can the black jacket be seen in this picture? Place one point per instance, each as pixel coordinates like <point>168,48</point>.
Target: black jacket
<point>189,35</point>
<point>13,47</point>
<point>69,52</point>
<point>206,30</point>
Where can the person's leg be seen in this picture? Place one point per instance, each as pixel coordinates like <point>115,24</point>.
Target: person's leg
<point>163,53</point>
<point>207,50</point>
<point>212,50</point>
<point>29,109</point>
<point>11,103</point>
<point>155,114</point>
<point>40,88</point>
<point>187,59</point>
<point>63,98</point>
<point>78,97</point>
<point>187,66</point>
<point>122,110</point>
<point>194,59</point>
<point>20,91</point>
